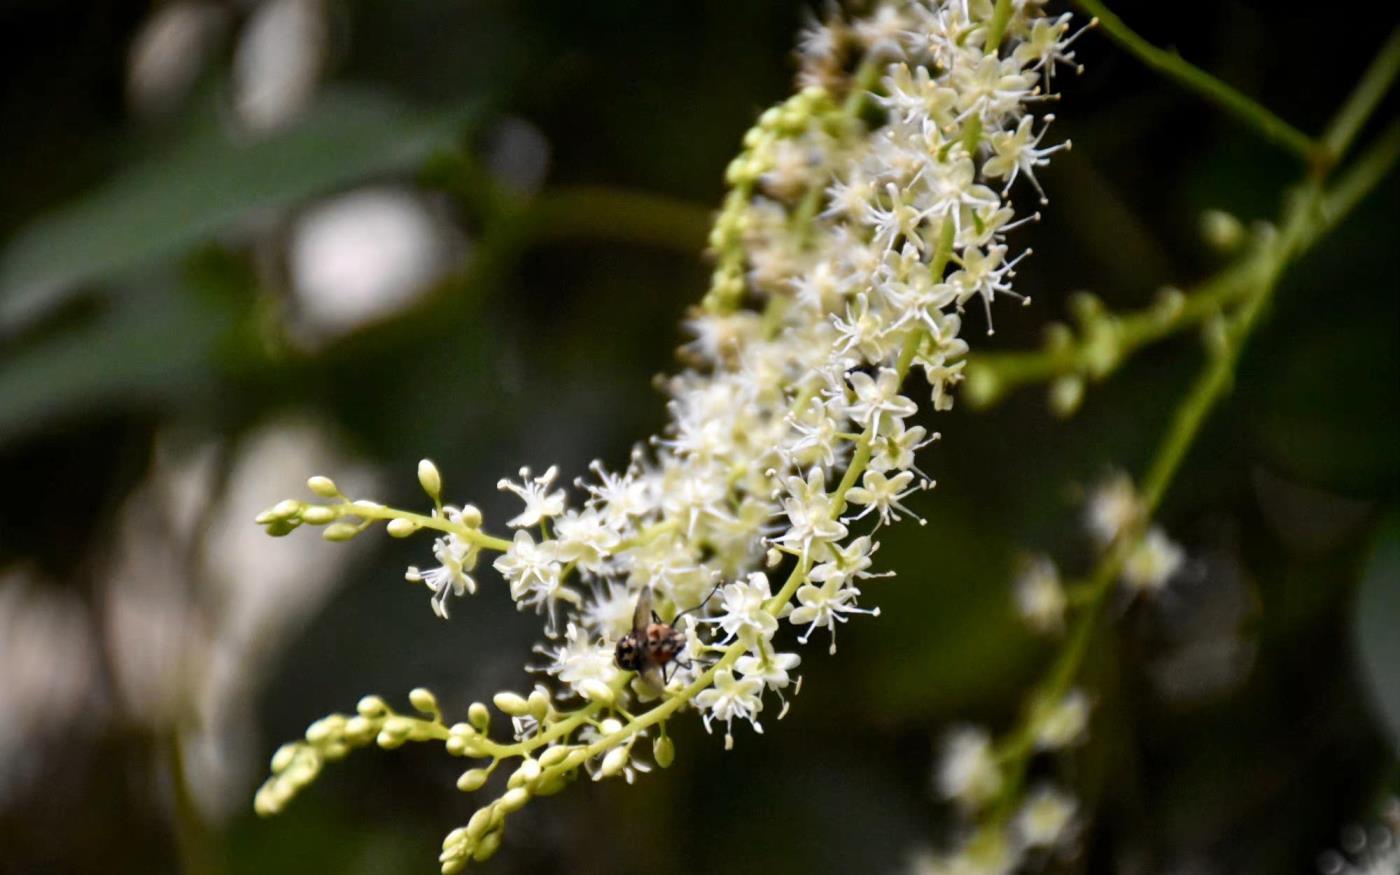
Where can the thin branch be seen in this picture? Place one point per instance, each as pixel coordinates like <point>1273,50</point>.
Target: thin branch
<point>1375,82</point>
<point>1193,78</point>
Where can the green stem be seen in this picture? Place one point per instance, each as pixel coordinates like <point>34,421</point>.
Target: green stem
<point>1193,78</point>
<point>1304,220</point>
<point>441,524</point>
<point>1374,84</point>
<point>995,374</point>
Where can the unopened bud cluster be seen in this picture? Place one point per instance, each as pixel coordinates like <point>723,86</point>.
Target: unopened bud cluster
<point>864,213</point>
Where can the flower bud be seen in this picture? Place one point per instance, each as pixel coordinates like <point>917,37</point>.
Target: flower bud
<point>389,741</point>
<point>511,704</point>
<point>479,823</point>
<point>610,726</point>
<point>663,750</point>
<point>340,532</point>
<point>430,479</point>
<point>539,703</point>
<point>472,779</point>
<point>401,528</point>
<point>614,762</point>
<point>595,690</point>
<point>1065,395</point>
<point>471,516</point>
<point>286,509</point>
<point>371,706</point>
<point>359,730</point>
<point>1221,230</point>
<point>479,716</point>
<point>514,800</point>
<point>281,528</point>
<point>317,515</point>
<point>283,757</point>
<point>424,702</point>
<point>487,847</point>
<point>322,486</point>
<point>553,756</point>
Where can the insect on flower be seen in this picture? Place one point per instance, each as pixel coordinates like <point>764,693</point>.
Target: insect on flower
<point>652,645</point>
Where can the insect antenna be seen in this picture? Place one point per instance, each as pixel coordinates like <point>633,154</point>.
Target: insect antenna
<point>703,602</point>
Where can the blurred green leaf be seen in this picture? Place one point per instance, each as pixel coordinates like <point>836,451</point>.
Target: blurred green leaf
<point>1377,610</point>
<point>209,183</point>
<point>141,352</point>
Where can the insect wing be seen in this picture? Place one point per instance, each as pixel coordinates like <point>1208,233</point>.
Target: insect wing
<point>653,677</point>
<point>642,615</point>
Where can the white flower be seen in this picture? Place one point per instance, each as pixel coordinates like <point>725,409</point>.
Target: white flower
<point>968,771</point>
<point>824,606</point>
<point>810,511</point>
<point>580,659</point>
<point>874,397</point>
<point>1040,599</point>
<point>1045,818</point>
<point>540,503</point>
<point>1017,152</point>
<point>1154,561</point>
<point>882,494</point>
<point>584,537</point>
<point>535,576</point>
<point>1061,724</point>
<point>730,698</point>
<point>768,666</point>
<point>1112,507</point>
<point>743,608</point>
<point>456,558</point>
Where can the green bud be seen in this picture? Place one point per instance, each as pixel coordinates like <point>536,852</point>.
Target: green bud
<point>281,528</point>
<point>340,532</point>
<point>401,528</point>
<point>614,762</point>
<point>287,509</point>
<point>487,847</point>
<point>1085,307</point>
<point>663,750</point>
<point>982,386</point>
<point>553,756</point>
<point>511,704</point>
<point>371,706</point>
<point>424,702</point>
<point>472,779</point>
<point>1065,395</point>
<point>479,716</point>
<point>539,704</point>
<point>389,741</point>
<point>430,479</point>
<point>1058,337</point>
<point>471,516</point>
<point>514,800</point>
<point>479,823</point>
<point>322,486</point>
<point>359,730</point>
<point>1221,230</point>
<point>283,757</point>
<point>318,515</point>
<point>1169,303</point>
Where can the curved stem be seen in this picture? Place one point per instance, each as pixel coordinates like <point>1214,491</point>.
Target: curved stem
<point>1304,221</point>
<point>1193,78</point>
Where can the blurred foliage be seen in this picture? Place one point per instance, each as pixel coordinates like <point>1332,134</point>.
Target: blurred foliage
<point>145,293</point>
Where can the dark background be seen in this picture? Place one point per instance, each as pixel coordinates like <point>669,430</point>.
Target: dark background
<point>1240,719</point>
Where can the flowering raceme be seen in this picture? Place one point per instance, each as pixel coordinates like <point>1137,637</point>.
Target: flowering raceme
<point>864,213</point>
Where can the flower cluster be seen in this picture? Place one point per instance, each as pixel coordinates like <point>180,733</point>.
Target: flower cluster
<point>864,214</point>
